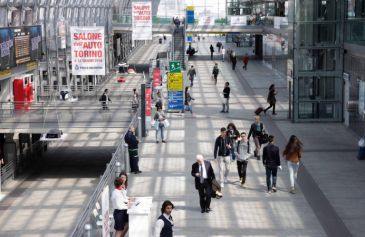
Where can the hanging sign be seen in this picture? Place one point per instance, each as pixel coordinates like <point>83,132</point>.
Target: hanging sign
<point>141,21</point>
<point>87,50</point>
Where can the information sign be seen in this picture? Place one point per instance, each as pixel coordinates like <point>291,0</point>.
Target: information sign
<point>175,81</point>
<point>175,66</point>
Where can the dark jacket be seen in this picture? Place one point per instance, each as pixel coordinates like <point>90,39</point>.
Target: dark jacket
<point>234,59</point>
<point>208,168</point>
<point>220,147</point>
<point>104,98</point>
<point>254,132</point>
<point>211,49</point>
<point>233,135</point>
<point>131,140</point>
<point>271,156</point>
<point>215,70</point>
<point>188,99</point>
<point>271,97</point>
<point>226,92</point>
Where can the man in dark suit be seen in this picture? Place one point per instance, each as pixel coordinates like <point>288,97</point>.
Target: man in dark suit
<point>203,172</point>
<point>271,161</point>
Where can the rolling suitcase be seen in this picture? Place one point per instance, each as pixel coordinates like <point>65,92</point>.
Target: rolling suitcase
<point>259,110</point>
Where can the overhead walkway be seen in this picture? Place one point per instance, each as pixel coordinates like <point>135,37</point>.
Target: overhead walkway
<point>329,197</point>
<point>50,199</point>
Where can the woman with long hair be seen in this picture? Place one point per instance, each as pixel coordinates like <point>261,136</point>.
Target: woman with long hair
<point>188,100</point>
<point>233,134</point>
<point>293,154</point>
<point>120,204</point>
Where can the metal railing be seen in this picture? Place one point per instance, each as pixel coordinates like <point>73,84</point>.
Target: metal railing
<point>88,222</point>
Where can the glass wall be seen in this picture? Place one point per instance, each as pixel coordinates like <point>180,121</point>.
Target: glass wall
<point>318,60</point>
<point>355,22</point>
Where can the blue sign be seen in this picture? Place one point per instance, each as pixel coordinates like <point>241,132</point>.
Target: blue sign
<point>190,17</point>
<point>176,100</point>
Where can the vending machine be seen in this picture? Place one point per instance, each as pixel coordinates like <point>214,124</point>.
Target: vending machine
<point>23,92</point>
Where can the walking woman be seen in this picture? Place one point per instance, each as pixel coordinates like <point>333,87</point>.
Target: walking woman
<point>160,124</point>
<point>188,99</point>
<point>119,200</point>
<point>293,153</point>
<point>233,134</point>
<point>271,99</point>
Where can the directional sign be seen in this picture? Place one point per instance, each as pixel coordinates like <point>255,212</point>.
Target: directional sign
<point>175,66</point>
<point>175,81</point>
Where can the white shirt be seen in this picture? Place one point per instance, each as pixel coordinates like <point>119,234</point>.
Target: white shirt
<point>204,171</point>
<point>160,224</point>
<point>119,199</point>
<point>223,51</point>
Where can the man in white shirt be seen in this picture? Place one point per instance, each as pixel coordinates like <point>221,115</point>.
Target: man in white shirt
<point>164,224</point>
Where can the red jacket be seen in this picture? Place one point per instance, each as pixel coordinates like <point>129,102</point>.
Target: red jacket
<point>245,59</point>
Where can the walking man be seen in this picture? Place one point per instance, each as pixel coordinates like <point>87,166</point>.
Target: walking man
<point>164,224</point>
<point>203,172</point>
<point>245,61</point>
<point>226,92</point>
<point>234,60</point>
<point>211,51</point>
<point>215,73</point>
<point>243,153</point>
<point>132,141</point>
<point>271,161</point>
<point>223,53</point>
<point>222,150</point>
<point>191,75</point>
<point>256,130</point>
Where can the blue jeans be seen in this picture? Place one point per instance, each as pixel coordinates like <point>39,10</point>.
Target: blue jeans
<point>293,172</point>
<point>161,130</point>
<point>271,172</point>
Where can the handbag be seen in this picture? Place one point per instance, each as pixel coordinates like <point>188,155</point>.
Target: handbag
<point>166,123</point>
<point>264,138</point>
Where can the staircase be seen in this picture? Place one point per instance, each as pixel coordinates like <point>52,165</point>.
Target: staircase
<point>179,46</point>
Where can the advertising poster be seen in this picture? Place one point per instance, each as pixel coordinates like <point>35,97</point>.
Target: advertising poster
<point>35,35</point>
<point>87,50</point>
<point>156,78</point>
<point>141,21</point>
<point>6,48</point>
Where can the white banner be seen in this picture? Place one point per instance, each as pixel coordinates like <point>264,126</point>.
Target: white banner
<point>87,50</point>
<point>206,20</point>
<point>238,20</point>
<point>280,21</point>
<point>141,21</point>
<point>105,211</point>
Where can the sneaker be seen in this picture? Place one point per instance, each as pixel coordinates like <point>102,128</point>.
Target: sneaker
<point>274,189</point>
<point>292,190</point>
<point>269,191</point>
<point>222,185</point>
<point>240,180</point>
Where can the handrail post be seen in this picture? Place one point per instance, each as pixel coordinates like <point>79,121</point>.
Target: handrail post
<point>126,158</point>
<point>87,229</point>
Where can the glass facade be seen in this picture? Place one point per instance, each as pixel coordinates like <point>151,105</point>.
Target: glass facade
<point>355,22</point>
<point>318,60</point>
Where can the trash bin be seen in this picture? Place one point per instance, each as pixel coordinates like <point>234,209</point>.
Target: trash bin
<point>361,153</point>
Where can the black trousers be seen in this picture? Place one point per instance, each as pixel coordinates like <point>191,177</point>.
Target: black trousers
<point>273,107</point>
<point>211,55</point>
<point>205,194</point>
<point>133,159</point>
<point>271,172</point>
<point>242,167</point>
<point>234,65</point>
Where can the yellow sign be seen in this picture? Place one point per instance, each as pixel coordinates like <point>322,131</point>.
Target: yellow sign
<point>32,66</point>
<point>5,73</point>
<point>190,8</point>
<point>175,81</point>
